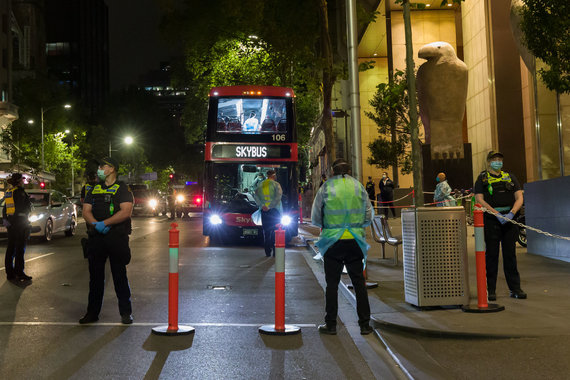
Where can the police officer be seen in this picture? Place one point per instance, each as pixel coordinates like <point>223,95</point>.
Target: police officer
<point>15,213</point>
<point>108,208</point>
<point>342,209</point>
<point>268,197</point>
<point>371,189</point>
<point>500,193</point>
<point>91,180</point>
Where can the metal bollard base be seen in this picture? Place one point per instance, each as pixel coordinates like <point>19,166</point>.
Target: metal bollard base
<point>491,308</point>
<point>182,330</point>
<point>271,330</point>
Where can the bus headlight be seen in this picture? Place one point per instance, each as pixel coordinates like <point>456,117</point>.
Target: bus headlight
<point>152,203</point>
<point>215,219</point>
<point>286,220</point>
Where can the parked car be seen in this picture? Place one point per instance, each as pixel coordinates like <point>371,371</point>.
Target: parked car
<point>52,212</point>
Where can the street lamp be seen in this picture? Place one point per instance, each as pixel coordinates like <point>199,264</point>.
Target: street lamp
<point>67,131</point>
<point>44,110</point>
<point>128,140</point>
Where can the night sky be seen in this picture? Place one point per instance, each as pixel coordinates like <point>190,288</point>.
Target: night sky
<point>135,43</point>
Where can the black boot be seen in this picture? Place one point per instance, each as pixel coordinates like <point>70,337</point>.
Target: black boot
<point>327,329</point>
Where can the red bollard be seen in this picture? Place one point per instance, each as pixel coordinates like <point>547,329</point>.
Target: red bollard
<point>280,328</point>
<point>482,305</point>
<point>173,328</point>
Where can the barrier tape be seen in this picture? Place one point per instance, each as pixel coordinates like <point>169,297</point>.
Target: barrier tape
<point>425,204</point>
<point>524,225</point>
<point>395,200</point>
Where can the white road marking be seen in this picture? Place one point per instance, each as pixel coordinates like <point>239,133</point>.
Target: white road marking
<point>143,324</point>
<point>35,258</point>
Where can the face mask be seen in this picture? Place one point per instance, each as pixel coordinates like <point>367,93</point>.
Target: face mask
<point>496,165</point>
<point>101,174</point>
<point>436,179</point>
<point>383,176</point>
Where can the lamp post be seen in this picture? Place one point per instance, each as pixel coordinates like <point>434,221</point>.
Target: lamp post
<point>128,140</point>
<point>44,110</point>
<point>72,169</point>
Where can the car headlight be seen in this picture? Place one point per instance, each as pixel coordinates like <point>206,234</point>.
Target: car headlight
<point>286,220</point>
<point>215,219</point>
<point>153,203</point>
<point>180,198</point>
<point>35,217</point>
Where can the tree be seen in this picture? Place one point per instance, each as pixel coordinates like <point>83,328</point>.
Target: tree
<point>391,107</point>
<point>546,29</point>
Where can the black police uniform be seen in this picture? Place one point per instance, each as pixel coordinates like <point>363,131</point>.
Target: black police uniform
<point>18,231</point>
<point>84,190</point>
<point>105,201</point>
<point>370,189</point>
<point>499,192</point>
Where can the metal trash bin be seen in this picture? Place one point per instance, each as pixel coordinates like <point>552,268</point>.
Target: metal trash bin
<point>434,241</point>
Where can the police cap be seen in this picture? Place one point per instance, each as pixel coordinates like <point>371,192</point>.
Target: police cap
<point>493,154</point>
<point>109,161</point>
<point>15,178</point>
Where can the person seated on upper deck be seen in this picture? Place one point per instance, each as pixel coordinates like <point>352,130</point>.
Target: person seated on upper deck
<point>251,124</point>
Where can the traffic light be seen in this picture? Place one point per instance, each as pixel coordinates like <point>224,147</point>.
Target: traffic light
<point>42,185</point>
<point>171,176</point>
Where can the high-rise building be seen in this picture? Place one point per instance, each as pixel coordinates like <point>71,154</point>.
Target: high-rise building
<point>77,48</point>
<point>8,110</point>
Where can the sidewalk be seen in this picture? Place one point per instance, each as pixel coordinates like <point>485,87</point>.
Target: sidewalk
<point>544,313</point>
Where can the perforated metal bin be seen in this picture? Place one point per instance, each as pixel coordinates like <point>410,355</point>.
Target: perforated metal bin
<point>434,241</point>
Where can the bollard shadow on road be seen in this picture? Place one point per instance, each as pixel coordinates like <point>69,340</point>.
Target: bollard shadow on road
<point>278,345</point>
<point>163,346</point>
<point>282,342</point>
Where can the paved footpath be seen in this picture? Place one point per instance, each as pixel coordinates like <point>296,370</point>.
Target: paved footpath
<point>544,313</point>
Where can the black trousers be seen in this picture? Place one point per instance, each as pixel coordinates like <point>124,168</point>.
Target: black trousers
<point>388,197</point>
<point>269,219</point>
<point>116,247</point>
<point>345,252</point>
<point>505,236</point>
<point>14,259</point>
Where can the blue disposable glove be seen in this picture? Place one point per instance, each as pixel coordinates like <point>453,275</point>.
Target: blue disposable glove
<point>510,215</point>
<point>100,227</point>
<point>106,229</point>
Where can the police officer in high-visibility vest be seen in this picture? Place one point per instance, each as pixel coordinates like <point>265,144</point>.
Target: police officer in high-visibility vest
<point>342,209</point>
<point>15,213</point>
<point>500,193</point>
<point>108,207</point>
<point>268,197</point>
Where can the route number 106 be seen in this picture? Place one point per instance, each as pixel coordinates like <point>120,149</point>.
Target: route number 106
<point>279,137</point>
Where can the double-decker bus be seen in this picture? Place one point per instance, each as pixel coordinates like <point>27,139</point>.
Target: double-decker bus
<point>251,129</point>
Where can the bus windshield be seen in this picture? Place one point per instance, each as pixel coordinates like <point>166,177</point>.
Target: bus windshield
<point>233,184</point>
<point>251,115</point>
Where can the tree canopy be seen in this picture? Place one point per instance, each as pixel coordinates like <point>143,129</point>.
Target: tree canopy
<point>546,29</point>
<point>259,42</point>
<point>391,107</point>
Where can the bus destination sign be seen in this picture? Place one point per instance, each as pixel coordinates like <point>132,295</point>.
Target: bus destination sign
<point>250,151</point>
